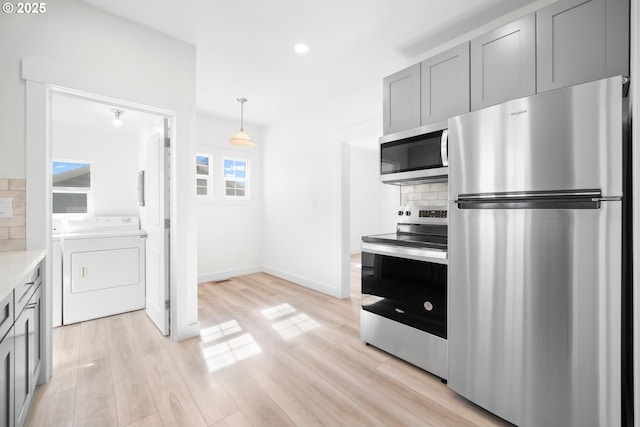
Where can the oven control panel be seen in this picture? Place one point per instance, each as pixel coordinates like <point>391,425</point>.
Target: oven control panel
<point>420,215</point>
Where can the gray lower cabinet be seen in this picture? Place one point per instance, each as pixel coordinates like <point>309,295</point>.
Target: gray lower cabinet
<point>23,388</point>
<point>445,85</point>
<point>580,41</point>
<point>27,356</point>
<point>503,63</point>
<point>401,100</point>
<point>7,374</point>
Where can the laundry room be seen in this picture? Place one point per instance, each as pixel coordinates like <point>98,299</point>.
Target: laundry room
<point>100,219</point>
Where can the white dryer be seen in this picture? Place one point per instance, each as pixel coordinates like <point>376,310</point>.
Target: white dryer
<point>103,267</point>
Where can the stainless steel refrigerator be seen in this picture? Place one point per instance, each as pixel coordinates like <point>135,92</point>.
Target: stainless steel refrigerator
<point>535,257</point>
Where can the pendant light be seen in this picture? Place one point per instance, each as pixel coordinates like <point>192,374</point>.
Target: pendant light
<point>241,138</point>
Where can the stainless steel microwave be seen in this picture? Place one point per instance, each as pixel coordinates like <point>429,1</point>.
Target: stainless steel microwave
<point>415,156</point>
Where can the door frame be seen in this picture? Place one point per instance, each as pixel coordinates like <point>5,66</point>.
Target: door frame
<point>41,80</point>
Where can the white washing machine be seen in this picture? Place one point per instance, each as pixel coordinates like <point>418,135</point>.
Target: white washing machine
<point>102,267</point>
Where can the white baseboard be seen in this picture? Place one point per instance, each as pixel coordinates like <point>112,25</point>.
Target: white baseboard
<point>228,274</point>
<point>303,281</point>
<point>298,280</point>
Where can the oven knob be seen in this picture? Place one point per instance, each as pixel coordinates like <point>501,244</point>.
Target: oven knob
<point>428,306</point>
<point>400,213</point>
<point>408,213</point>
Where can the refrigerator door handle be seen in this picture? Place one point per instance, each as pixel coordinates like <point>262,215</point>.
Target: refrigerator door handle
<point>532,195</point>
<point>574,203</point>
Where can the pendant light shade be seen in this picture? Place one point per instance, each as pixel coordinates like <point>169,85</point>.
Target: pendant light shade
<point>241,138</point>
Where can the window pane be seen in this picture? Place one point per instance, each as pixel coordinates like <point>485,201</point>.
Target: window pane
<point>230,185</point>
<point>201,191</point>
<point>67,174</point>
<point>228,168</point>
<point>202,165</point>
<point>201,182</point>
<point>69,203</point>
<point>240,169</point>
<point>240,192</point>
<point>230,192</point>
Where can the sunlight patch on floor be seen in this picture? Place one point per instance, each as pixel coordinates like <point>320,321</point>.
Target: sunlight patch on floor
<point>278,311</point>
<point>216,332</point>
<point>221,345</point>
<point>290,323</point>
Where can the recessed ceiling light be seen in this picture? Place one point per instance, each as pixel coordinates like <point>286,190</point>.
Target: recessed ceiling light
<point>301,48</point>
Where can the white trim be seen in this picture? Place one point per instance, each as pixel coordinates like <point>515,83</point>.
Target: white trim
<point>303,281</point>
<point>73,81</point>
<point>246,180</point>
<point>228,274</point>
<point>42,79</point>
<point>207,177</point>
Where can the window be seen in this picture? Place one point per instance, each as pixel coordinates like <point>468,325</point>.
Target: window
<point>203,175</point>
<point>71,192</point>
<point>236,178</point>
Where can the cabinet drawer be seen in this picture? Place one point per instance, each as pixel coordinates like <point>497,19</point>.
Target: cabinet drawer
<point>6,314</point>
<point>23,292</point>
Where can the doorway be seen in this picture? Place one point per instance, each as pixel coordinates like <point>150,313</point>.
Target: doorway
<point>100,154</point>
<point>368,206</point>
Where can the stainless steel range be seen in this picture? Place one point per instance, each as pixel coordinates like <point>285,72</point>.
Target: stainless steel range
<point>404,289</point>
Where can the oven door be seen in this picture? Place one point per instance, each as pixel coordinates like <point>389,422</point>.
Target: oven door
<point>407,285</point>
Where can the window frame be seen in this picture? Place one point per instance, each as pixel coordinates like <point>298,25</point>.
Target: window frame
<point>246,180</point>
<point>208,176</point>
<point>73,190</point>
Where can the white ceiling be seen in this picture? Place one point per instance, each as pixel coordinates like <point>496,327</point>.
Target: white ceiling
<point>244,48</point>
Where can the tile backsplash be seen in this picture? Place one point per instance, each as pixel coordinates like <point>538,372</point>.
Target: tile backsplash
<point>425,195</point>
<point>12,230</point>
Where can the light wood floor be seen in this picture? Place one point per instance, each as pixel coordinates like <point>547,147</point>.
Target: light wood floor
<point>270,354</point>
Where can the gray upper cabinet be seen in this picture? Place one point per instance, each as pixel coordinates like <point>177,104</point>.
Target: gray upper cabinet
<point>581,41</point>
<point>503,63</point>
<point>401,100</point>
<point>445,85</point>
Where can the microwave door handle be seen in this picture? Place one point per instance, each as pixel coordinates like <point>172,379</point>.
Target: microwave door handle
<point>443,147</point>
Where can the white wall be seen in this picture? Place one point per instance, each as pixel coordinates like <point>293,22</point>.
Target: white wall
<point>76,46</point>
<point>302,187</point>
<point>113,155</point>
<point>87,40</point>
<point>229,232</point>
<point>372,203</point>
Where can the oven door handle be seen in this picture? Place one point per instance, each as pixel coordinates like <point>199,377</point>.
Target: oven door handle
<point>418,254</point>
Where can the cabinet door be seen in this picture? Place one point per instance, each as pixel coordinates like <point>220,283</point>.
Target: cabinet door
<point>445,85</point>
<point>35,338</point>
<point>401,100</point>
<point>7,380</point>
<point>23,377</point>
<point>582,40</point>
<point>503,63</point>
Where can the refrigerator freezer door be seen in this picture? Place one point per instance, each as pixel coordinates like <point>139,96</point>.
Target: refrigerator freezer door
<point>567,139</point>
<point>534,313</point>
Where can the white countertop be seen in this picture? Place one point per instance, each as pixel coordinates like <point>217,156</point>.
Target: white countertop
<point>15,266</point>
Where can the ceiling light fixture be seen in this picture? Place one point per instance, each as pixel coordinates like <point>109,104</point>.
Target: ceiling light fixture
<point>241,138</point>
<point>116,120</point>
<point>301,48</point>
